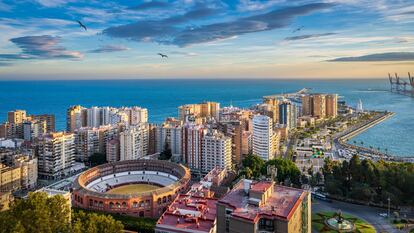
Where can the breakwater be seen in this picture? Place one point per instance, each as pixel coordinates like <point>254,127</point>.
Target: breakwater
<point>345,136</point>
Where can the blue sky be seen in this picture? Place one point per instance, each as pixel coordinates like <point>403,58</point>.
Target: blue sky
<point>205,39</point>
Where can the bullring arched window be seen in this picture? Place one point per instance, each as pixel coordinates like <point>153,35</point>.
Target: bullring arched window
<point>164,199</point>
<point>124,205</point>
<point>135,204</point>
<point>111,205</point>
<point>159,201</point>
<point>141,204</point>
<point>118,205</point>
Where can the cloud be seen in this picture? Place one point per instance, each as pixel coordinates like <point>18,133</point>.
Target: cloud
<point>157,30</point>
<point>408,13</point>
<point>378,57</point>
<point>52,3</point>
<point>263,22</point>
<point>5,7</point>
<point>309,36</point>
<point>187,54</point>
<point>167,31</point>
<point>150,5</point>
<point>40,47</point>
<point>109,49</point>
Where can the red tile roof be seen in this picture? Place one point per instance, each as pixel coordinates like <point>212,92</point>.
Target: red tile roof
<point>281,204</point>
<point>189,213</point>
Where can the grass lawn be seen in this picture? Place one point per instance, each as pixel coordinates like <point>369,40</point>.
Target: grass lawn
<point>318,223</point>
<point>132,189</point>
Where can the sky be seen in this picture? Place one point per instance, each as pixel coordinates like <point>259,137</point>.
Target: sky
<point>42,39</point>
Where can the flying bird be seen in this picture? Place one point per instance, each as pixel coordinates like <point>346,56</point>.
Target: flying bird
<point>163,55</point>
<point>298,29</point>
<point>82,25</point>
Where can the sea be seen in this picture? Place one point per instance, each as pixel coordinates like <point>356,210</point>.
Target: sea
<point>162,97</point>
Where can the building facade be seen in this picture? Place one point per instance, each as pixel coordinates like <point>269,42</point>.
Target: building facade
<point>134,142</point>
<point>56,155</point>
<point>216,151</point>
<point>263,137</point>
<point>263,206</point>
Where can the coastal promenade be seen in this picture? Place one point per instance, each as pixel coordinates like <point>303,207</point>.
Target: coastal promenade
<point>341,139</point>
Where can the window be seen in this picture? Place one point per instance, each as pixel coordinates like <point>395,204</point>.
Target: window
<point>266,224</point>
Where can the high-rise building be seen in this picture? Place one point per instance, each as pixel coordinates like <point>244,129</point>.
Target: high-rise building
<point>87,142</point>
<point>75,118</point>
<point>34,129</point>
<point>192,141</point>
<point>56,154</point>
<point>263,206</point>
<point>263,137</point>
<point>198,112</point>
<point>134,142</point>
<point>15,123</point>
<point>320,105</point>
<point>16,117</point>
<point>112,151</point>
<point>270,107</point>
<point>137,115</point>
<point>48,118</point>
<point>78,116</point>
<point>331,105</point>
<point>216,151</point>
<point>287,114</point>
<point>169,134</point>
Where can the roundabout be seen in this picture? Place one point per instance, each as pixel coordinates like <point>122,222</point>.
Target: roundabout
<point>331,222</point>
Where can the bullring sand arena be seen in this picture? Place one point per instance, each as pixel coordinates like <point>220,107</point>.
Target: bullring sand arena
<point>138,187</point>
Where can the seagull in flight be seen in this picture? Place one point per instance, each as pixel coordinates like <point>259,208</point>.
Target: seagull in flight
<point>163,55</point>
<point>298,29</point>
<point>82,25</point>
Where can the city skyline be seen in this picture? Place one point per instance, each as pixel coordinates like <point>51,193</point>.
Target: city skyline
<point>244,39</point>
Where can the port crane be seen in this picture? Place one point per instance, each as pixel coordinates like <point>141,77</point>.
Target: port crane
<point>399,85</point>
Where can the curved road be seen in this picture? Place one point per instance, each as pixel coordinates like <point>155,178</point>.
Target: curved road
<point>367,213</point>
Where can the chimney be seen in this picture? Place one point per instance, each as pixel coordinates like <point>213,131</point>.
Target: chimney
<point>246,185</point>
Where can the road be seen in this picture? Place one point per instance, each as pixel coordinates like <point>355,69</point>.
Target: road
<point>367,213</point>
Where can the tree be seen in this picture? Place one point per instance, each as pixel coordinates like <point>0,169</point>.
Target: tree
<point>95,223</point>
<point>286,170</point>
<point>97,159</point>
<point>43,214</point>
<point>368,180</point>
<point>255,164</point>
<point>166,153</point>
<point>37,213</point>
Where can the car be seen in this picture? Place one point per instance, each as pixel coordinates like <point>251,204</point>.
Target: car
<point>383,215</point>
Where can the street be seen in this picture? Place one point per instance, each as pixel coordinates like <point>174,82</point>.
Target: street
<point>367,213</point>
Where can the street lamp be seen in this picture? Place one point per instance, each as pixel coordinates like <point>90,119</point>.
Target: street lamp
<point>389,201</point>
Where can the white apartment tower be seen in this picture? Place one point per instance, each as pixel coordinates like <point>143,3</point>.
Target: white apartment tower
<point>56,154</point>
<point>168,134</point>
<point>134,142</point>
<point>216,151</point>
<point>263,137</point>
